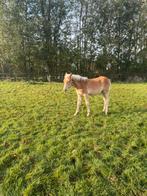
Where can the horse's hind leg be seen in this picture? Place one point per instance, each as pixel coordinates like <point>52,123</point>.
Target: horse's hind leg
<point>106,101</point>
<point>104,104</point>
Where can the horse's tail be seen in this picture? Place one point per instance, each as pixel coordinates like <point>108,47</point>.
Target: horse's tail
<point>109,83</point>
<point>108,86</point>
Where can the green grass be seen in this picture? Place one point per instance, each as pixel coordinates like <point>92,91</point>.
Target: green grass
<point>45,150</point>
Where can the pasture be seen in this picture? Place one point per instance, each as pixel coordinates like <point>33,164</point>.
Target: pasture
<point>45,150</point>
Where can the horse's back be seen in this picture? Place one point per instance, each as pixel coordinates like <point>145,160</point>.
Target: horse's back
<point>98,85</point>
<point>102,80</point>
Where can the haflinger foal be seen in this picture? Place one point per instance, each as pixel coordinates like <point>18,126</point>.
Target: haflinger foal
<point>85,87</point>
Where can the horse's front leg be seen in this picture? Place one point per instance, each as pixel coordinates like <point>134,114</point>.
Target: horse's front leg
<point>106,102</point>
<point>87,104</point>
<point>79,100</point>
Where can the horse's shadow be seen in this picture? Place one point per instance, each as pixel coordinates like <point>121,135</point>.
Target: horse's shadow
<point>131,111</point>
<point>122,112</point>
<point>142,110</point>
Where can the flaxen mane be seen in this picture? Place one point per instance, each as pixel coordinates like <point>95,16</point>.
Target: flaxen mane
<point>79,78</point>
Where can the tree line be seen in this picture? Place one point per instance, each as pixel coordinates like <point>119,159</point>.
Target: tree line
<point>50,37</point>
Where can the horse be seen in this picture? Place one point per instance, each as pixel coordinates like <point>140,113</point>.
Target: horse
<point>88,87</point>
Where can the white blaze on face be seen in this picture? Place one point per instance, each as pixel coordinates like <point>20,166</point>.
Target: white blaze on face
<point>67,81</point>
<point>67,86</point>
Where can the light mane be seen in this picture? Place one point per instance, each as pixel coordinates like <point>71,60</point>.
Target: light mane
<point>78,78</point>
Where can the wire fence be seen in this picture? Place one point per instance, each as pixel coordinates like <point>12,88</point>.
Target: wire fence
<point>25,77</point>
<point>59,78</point>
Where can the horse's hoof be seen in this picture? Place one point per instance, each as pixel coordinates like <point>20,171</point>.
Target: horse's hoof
<point>75,114</point>
<point>88,114</point>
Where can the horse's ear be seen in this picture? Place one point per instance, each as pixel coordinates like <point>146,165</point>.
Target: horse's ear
<point>70,74</point>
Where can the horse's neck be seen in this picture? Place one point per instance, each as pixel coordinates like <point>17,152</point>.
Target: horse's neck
<point>78,84</point>
<point>74,83</point>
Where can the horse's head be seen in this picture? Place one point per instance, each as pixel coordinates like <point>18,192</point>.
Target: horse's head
<point>67,81</point>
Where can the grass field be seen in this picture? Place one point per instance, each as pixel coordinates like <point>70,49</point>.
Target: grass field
<point>45,150</point>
